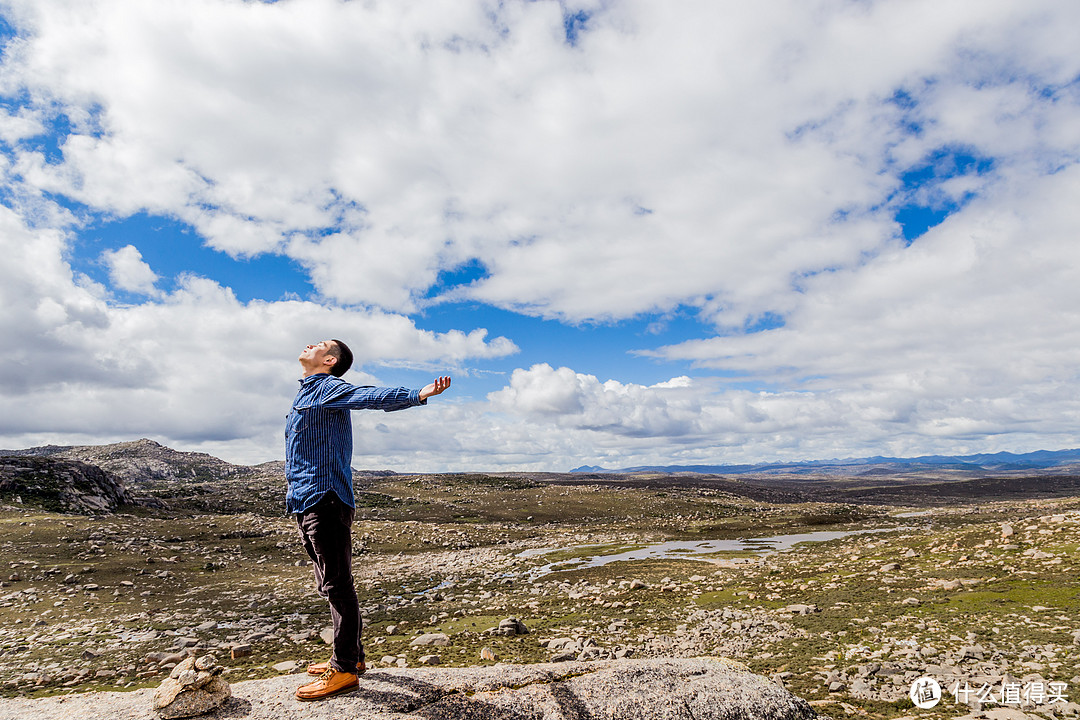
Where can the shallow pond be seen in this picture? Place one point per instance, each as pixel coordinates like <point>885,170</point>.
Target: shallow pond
<point>750,548</point>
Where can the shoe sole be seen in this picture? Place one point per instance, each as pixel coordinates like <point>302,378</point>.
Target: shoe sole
<point>323,696</point>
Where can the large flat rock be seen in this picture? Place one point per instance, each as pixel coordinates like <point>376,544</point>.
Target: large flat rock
<point>652,689</point>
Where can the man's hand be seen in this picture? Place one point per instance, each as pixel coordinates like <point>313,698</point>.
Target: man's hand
<point>435,388</point>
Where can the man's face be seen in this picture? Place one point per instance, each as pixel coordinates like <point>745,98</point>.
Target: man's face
<point>314,356</point>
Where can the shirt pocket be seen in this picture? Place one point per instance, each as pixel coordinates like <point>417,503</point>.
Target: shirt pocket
<point>296,422</point>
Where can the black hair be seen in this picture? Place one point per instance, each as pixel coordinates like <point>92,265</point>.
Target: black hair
<point>344,358</point>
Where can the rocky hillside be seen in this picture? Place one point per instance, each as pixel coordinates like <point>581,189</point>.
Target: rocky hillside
<point>141,461</point>
<point>61,485</point>
<point>184,481</point>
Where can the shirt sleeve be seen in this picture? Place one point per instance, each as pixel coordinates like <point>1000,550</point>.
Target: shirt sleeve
<point>341,395</point>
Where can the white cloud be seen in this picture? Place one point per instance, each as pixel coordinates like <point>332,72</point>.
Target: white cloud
<point>968,333</point>
<point>196,367</point>
<point>682,153</point>
<point>128,271</point>
<point>570,399</point>
<point>740,159</point>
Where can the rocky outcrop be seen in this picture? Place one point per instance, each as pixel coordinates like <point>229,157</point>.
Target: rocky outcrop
<point>167,478</point>
<point>674,689</point>
<point>60,485</point>
<point>144,460</point>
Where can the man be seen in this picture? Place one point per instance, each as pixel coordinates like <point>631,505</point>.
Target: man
<point>318,454</point>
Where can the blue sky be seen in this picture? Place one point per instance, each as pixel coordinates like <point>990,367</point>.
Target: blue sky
<point>634,233</point>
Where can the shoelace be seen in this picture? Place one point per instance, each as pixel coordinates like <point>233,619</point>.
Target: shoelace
<point>327,674</point>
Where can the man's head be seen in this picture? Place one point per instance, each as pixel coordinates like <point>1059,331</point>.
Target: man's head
<point>343,354</point>
<point>326,356</point>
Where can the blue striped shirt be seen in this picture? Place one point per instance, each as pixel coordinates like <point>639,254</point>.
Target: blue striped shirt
<point>318,436</point>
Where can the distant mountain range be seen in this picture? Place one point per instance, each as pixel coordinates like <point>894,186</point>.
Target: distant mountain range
<point>1002,462</point>
<point>102,478</point>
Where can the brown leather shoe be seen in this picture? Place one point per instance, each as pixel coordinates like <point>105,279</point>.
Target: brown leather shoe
<point>320,668</point>
<point>332,682</point>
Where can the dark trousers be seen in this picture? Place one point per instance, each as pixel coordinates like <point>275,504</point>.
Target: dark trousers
<point>326,529</point>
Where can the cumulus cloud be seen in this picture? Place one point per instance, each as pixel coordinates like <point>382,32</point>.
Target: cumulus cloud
<point>197,366</point>
<point>128,271</point>
<point>663,411</point>
<point>742,162</point>
<point>968,335</point>
<point>673,154</point>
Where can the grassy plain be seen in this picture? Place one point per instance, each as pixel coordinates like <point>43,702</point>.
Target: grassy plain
<point>86,600</point>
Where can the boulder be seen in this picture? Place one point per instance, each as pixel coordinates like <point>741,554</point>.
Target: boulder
<point>512,626</point>
<point>801,609</point>
<point>240,650</point>
<point>438,639</point>
<point>669,688</point>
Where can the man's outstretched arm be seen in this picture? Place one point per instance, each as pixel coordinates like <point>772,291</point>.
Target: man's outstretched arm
<point>340,395</point>
<point>435,388</point>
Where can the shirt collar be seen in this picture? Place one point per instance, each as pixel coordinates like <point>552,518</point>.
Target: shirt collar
<point>314,378</point>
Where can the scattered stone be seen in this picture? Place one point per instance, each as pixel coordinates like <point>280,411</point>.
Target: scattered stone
<point>800,609</point>
<point>241,650</point>
<point>487,653</point>
<point>206,662</point>
<point>973,652</point>
<point>172,659</point>
<point>327,635</point>
<point>430,660</point>
<point>1006,531</point>
<point>890,567</point>
<point>439,639</point>
<point>512,626</point>
<point>188,692</point>
<point>638,585</point>
<point>287,666</point>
